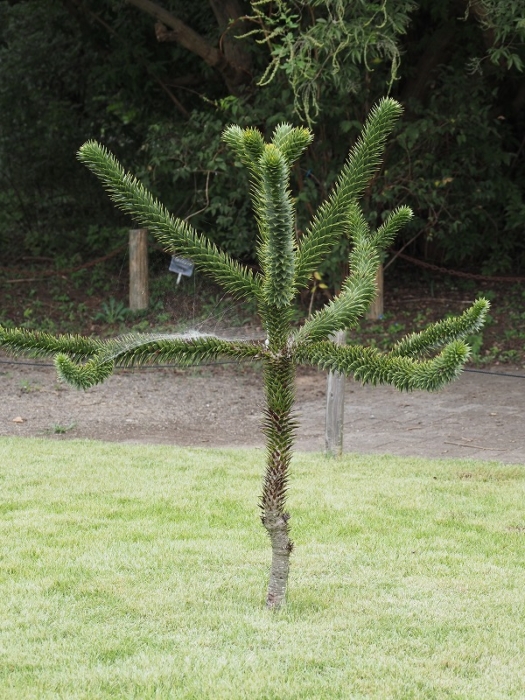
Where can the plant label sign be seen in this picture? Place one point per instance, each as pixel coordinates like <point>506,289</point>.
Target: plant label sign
<point>181,266</point>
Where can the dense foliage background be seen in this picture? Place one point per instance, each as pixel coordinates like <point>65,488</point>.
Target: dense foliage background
<point>157,82</point>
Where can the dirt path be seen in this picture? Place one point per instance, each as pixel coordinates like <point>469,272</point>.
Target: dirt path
<point>479,416</point>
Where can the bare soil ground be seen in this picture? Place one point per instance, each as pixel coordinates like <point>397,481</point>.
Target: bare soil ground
<point>480,416</point>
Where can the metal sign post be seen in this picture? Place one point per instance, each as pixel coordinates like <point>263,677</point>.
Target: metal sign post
<point>181,266</point>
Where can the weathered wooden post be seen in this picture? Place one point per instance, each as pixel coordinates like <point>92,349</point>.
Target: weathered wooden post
<point>335,406</point>
<point>138,269</point>
<point>376,308</point>
<point>335,394</point>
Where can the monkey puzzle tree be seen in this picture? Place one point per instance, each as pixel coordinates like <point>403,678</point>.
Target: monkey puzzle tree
<point>425,360</point>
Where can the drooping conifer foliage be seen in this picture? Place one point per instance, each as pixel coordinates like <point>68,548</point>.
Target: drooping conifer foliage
<point>426,360</point>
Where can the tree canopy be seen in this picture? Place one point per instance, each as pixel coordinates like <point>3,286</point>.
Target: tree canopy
<point>157,82</point>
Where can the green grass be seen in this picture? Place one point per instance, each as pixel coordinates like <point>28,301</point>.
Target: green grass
<point>140,572</point>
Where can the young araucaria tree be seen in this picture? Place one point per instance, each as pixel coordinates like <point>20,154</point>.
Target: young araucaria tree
<point>425,360</point>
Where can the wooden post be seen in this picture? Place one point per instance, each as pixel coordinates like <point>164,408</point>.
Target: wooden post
<point>138,269</point>
<point>335,405</point>
<point>376,309</point>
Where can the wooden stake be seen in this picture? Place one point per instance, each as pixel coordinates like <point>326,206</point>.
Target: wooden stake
<point>335,406</point>
<point>138,269</point>
<point>376,309</point>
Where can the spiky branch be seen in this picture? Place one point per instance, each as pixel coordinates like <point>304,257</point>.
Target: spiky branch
<point>175,235</point>
<point>363,162</point>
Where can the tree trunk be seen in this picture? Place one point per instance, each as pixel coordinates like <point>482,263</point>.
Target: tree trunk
<point>279,428</point>
<point>230,18</point>
<point>233,75</point>
<point>276,525</point>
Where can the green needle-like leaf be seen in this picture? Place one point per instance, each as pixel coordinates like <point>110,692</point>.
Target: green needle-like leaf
<point>443,332</point>
<point>276,214</point>
<point>362,163</point>
<point>385,234</point>
<point>357,293</point>
<point>83,376</point>
<point>179,349</point>
<point>37,344</point>
<point>370,366</point>
<point>173,234</point>
<point>291,141</point>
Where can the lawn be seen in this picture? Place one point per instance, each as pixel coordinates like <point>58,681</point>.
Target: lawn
<point>140,571</point>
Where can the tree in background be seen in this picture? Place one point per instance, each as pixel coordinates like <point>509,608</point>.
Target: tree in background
<point>457,67</point>
<point>159,81</point>
<point>425,360</point>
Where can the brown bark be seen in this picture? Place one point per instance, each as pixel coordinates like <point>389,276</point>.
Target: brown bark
<point>274,517</point>
<point>230,18</point>
<point>276,525</point>
<point>171,28</point>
